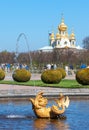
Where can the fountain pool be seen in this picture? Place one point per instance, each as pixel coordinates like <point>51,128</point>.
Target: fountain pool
<point>18,115</point>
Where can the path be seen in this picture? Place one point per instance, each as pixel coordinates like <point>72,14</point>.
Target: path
<point>28,91</point>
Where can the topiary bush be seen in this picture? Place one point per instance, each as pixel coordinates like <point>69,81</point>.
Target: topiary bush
<point>51,76</point>
<point>62,71</point>
<point>2,74</point>
<point>82,76</point>
<point>21,75</point>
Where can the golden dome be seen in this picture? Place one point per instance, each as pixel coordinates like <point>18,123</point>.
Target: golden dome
<point>72,36</point>
<point>52,36</point>
<point>57,36</point>
<point>62,26</point>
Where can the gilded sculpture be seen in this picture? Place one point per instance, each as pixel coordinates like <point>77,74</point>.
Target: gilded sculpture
<point>42,111</point>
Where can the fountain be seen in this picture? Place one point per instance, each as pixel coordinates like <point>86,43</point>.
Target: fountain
<point>41,111</point>
<point>16,55</point>
<point>18,114</point>
<point>17,52</point>
<point>23,117</point>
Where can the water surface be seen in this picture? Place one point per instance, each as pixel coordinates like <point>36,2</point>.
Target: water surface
<point>18,115</point>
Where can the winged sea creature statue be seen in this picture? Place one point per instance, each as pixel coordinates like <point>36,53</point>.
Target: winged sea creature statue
<point>41,111</point>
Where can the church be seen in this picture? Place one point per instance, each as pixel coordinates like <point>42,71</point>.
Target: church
<point>61,39</point>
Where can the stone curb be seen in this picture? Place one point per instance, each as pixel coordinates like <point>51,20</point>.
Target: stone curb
<point>31,91</point>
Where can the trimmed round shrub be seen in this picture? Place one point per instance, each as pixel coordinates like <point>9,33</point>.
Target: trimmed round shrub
<point>2,74</point>
<point>62,71</point>
<point>51,76</point>
<point>21,75</point>
<point>82,76</point>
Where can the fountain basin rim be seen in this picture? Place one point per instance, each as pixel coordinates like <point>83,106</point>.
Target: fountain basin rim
<point>26,97</point>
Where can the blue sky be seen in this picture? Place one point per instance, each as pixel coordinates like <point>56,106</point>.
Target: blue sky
<point>35,18</point>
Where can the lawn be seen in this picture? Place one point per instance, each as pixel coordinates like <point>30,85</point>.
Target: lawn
<point>63,84</point>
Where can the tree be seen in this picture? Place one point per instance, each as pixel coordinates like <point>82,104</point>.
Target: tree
<point>86,42</point>
<point>6,57</point>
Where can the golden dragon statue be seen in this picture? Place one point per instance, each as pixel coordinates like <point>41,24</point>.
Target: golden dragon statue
<point>41,111</point>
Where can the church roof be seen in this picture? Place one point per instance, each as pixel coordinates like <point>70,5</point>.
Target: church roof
<point>46,48</point>
<point>62,26</point>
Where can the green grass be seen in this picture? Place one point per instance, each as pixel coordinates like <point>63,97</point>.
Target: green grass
<point>63,84</point>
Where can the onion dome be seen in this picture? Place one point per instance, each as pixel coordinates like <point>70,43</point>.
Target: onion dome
<point>62,26</point>
<point>52,36</point>
<point>57,36</point>
<point>72,36</point>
